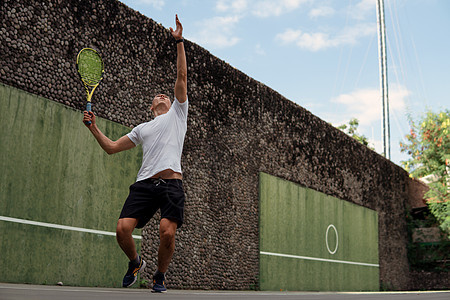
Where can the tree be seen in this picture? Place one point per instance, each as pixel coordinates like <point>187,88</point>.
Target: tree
<point>428,144</point>
<point>352,130</point>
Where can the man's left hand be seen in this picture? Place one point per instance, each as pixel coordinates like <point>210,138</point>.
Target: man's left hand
<point>178,33</point>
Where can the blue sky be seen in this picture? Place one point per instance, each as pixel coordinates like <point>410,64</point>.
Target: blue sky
<point>323,54</point>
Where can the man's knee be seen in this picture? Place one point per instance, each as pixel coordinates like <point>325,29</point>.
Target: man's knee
<point>167,235</point>
<point>167,229</point>
<point>125,227</point>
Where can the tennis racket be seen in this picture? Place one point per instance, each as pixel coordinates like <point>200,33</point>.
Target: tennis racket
<point>90,69</point>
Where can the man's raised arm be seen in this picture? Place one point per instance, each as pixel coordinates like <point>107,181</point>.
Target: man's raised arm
<point>181,82</point>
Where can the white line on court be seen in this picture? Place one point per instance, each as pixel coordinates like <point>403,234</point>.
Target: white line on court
<point>63,227</point>
<point>320,259</point>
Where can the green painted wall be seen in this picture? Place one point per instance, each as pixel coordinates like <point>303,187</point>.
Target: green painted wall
<point>53,171</point>
<point>297,254</point>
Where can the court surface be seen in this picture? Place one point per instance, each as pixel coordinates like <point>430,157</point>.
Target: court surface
<point>47,292</point>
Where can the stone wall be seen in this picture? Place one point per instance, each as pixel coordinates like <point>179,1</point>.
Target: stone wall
<point>237,128</point>
<point>424,281</point>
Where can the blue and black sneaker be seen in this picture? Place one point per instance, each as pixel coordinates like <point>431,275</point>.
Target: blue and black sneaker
<point>159,285</point>
<point>130,278</point>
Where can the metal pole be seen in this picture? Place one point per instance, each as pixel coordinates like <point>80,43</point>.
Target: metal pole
<point>383,79</point>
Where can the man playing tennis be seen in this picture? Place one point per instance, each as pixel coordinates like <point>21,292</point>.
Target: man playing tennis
<point>159,180</point>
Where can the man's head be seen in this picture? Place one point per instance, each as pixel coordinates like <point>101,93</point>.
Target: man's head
<point>160,104</point>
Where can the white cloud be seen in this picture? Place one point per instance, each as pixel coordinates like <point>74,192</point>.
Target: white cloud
<point>259,8</point>
<point>323,11</point>
<point>321,40</point>
<point>309,41</point>
<point>365,104</point>
<point>157,4</point>
<point>270,8</point>
<point>315,41</point>
<point>216,32</point>
<point>234,6</point>
<point>350,35</point>
<point>362,9</point>
<point>289,35</point>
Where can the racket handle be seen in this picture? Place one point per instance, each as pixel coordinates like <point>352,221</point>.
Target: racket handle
<point>88,109</point>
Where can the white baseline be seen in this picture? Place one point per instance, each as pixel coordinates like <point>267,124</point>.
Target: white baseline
<point>63,227</point>
<point>320,259</point>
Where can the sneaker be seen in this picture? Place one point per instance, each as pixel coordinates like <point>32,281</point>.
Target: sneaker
<point>159,285</point>
<point>130,278</point>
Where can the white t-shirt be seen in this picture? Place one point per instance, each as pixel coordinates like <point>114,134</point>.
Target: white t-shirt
<point>162,141</point>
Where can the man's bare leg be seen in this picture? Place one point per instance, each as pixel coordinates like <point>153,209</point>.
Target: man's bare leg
<point>124,236</point>
<point>167,229</point>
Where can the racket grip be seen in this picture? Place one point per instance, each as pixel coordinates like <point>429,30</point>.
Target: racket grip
<point>88,109</point>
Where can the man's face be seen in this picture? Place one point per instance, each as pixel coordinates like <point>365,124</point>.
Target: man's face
<point>161,101</point>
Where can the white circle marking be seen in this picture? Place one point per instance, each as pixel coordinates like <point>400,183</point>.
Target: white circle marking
<point>337,239</point>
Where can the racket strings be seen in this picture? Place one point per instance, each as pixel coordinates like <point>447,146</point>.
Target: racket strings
<point>90,67</point>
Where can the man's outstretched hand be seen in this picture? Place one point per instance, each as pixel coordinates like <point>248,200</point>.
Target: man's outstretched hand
<point>178,32</point>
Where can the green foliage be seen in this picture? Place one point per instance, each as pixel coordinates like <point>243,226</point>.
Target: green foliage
<point>143,283</point>
<point>427,256</point>
<point>352,130</point>
<point>428,144</point>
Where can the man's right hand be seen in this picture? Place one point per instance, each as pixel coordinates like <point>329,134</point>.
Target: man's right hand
<point>88,117</point>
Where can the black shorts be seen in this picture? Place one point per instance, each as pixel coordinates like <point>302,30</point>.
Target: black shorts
<point>149,195</point>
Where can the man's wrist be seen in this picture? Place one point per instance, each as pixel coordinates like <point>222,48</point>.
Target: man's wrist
<point>93,128</point>
<point>179,40</point>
